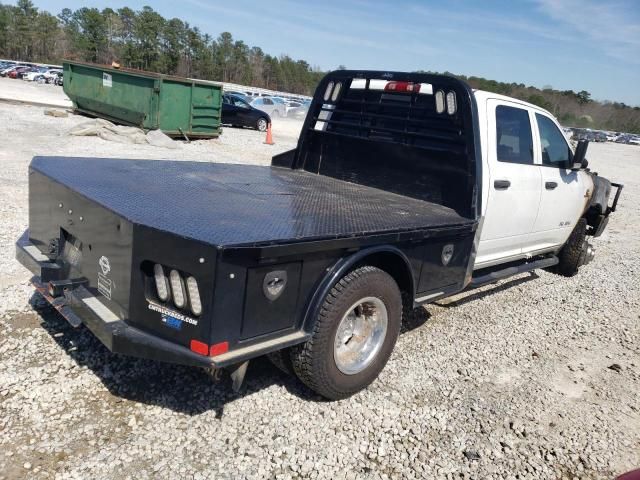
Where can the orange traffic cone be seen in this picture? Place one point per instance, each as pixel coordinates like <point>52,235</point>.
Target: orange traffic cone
<point>269,139</point>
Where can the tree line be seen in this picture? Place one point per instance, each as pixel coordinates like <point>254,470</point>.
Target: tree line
<point>146,40</point>
<point>572,109</point>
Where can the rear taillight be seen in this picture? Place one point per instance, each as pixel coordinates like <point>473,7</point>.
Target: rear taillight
<point>194,296</point>
<point>162,284</point>
<point>177,289</point>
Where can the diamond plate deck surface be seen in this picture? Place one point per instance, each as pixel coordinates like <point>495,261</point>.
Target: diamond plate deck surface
<point>226,204</point>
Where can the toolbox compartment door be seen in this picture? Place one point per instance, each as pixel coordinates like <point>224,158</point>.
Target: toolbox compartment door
<point>263,313</point>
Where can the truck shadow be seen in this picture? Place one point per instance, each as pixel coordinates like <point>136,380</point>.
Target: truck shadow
<point>186,390</point>
<point>477,294</point>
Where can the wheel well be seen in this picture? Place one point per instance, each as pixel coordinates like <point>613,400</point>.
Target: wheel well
<point>391,261</point>
<point>394,265</point>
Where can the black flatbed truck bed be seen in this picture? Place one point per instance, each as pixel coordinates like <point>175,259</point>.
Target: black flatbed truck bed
<point>378,181</point>
<point>241,205</point>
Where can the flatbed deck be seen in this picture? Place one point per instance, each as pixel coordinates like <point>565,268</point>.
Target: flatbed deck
<point>240,205</point>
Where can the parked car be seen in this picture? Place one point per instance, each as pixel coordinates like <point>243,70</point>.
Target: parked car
<point>35,74</point>
<point>600,136</point>
<point>238,113</point>
<point>314,259</point>
<point>9,69</point>
<point>611,136</point>
<point>296,110</point>
<point>18,72</point>
<point>58,79</point>
<point>269,106</point>
<point>281,103</point>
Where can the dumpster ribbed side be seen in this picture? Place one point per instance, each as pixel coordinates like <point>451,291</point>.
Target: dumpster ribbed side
<point>177,106</point>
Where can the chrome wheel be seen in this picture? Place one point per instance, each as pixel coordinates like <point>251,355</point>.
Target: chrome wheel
<point>360,335</point>
<point>262,125</point>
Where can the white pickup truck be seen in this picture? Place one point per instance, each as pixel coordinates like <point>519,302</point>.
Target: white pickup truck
<point>403,189</point>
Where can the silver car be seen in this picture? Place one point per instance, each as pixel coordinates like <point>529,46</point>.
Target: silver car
<point>273,108</point>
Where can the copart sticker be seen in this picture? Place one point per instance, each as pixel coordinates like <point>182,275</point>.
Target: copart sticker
<point>170,313</point>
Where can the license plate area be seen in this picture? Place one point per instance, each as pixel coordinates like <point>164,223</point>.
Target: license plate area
<point>71,249</point>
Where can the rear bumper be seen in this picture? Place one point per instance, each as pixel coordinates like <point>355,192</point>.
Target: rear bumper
<point>79,306</point>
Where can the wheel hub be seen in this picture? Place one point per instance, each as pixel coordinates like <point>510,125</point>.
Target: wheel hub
<point>360,335</point>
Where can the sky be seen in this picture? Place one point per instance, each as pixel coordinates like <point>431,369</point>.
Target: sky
<point>591,45</point>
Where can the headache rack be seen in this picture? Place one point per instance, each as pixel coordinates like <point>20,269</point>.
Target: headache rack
<point>410,133</point>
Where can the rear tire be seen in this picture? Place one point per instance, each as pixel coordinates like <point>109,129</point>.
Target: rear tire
<point>365,298</point>
<point>571,255</point>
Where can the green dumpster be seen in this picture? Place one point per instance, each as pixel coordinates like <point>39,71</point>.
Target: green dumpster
<point>177,106</point>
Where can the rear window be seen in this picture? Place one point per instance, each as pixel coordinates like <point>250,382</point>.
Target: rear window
<point>514,143</point>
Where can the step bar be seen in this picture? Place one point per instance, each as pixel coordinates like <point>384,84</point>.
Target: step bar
<point>498,275</point>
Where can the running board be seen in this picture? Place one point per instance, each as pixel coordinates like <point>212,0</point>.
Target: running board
<point>510,271</point>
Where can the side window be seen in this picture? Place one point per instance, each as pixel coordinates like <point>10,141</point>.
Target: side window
<point>258,101</point>
<point>513,135</point>
<point>239,102</point>
<point>554,148</point>
<point>267,101</point>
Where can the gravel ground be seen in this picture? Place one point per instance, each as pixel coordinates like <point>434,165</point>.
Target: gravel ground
<point>536,377</point>
<point>22,91</point>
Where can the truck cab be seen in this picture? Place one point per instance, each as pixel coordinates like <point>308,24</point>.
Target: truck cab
<point>532,197</point>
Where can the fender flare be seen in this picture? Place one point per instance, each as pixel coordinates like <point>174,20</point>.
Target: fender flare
<point>339,269</point>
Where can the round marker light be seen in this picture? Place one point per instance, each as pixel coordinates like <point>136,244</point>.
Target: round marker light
<point>451,103</point>
<point>194,296</point>
<point>162,285</point>
<point>177,289</point>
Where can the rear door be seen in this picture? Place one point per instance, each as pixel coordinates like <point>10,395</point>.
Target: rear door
<point>514,183</point>
<point>564,193</point>
<point>229,111</point>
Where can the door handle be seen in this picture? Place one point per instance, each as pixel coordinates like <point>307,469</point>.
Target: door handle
<point>501,184</point>
<point>550,185</point>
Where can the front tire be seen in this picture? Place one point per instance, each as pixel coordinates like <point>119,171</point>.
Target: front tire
<point>572,254</point>
<point>354,334</point>
<point>262,124</point>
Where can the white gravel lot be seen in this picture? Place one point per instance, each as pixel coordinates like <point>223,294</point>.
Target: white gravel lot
<point>514,381</point>
<point>22,91</point>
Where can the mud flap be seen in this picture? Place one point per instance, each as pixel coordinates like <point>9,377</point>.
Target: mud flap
<point>238,372</point>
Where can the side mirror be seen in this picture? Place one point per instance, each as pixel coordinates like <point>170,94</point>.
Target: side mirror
<point>579,159</point>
